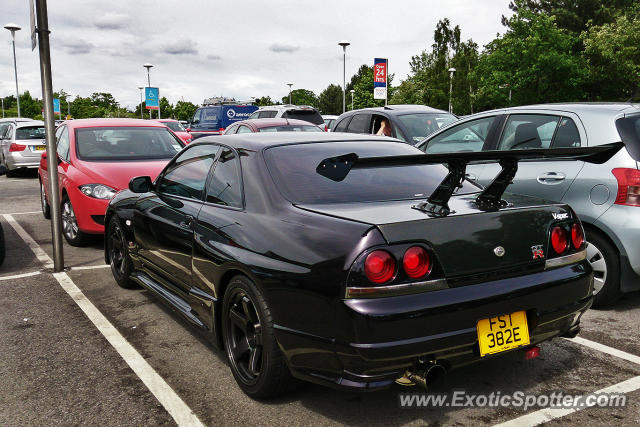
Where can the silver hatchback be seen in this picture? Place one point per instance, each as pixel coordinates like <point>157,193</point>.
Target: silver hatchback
<point>22,145</point>
<point>605,196</point>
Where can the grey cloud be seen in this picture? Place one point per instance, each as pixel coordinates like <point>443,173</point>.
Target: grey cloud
<point>283,48</point>
<point>182,46</point>
<point>214,57</point>
<point>77,47</point>
<point>112,21</point>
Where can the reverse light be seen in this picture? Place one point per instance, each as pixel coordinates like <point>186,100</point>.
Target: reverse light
<point>98,191</point>
<point>628,186</point>
<point>416,262</point>
<point>379,266</point>
<point>16,147</point>
<point>559,240</point>
<point>577,235</point>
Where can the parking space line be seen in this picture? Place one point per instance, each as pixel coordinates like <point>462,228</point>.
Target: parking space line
<point>35,248</point>
<point>606,349</point>
<point>23,213</point>
<point>547,414</point>
<point>89,267</point>
<point>20,276</point>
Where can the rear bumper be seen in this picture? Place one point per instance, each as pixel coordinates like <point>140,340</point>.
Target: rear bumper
<point>381,338</point>
<point>15,160</point>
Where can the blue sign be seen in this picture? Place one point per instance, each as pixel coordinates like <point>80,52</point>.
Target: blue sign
<point>152,98</point>
<point>56,106</point>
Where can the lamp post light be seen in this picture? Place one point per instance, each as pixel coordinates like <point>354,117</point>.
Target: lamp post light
<point>344,45</point>
<point>141,87</point>
<point>149,66</point>
<point>13,28</point>
<point>352,92</point>
<point>289,84</point>
<point>451,71</point>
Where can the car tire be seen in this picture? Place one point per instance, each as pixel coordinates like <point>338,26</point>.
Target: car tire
<point>603,257</point>
<point>255,359</point>
<point>2,247</point>
<point>11,173</point>
<point>70,229</point>
<point>118,253</point>
<point>46,209</point>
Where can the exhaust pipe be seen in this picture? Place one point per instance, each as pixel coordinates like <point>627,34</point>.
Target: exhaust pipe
<point>423,377</point>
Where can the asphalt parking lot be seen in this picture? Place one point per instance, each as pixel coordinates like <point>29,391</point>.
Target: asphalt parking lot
<point>77,349</point>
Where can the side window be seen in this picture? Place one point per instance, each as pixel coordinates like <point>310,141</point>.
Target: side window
<point>254,115</point>
<point>360,124</point>
<point>224,186</point>
<point>62,137</point>
<point>567,135</point>
<point>9,132</point>
<point>3,129</point>
<point>468,136</point>
<point>244,129</point>
<point>186,177</point>
<point>266,114</point>
<point>197,116</point>
<point>231,130</point>
<point>527,131</point>
<point>342,125</point>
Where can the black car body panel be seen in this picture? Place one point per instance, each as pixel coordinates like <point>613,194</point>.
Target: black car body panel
<point>302,256</point>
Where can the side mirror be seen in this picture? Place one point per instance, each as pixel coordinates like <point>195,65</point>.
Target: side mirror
<point>140,184</point>
<point>3,169</point>
<point>188,129</point>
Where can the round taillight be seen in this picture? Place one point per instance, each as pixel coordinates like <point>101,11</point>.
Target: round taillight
<point>416,262</point>
<point>379,266</point>
<point>577,236</point>
<point>559,240</point>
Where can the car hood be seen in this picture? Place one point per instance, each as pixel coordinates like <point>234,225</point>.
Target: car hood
<point>118,174</point>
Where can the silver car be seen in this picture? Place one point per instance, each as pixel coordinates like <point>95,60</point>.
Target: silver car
<point>22,145</point>
<point>605,196</point>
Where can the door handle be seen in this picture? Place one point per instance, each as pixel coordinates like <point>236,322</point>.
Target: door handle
<point>551,178</point>
<point>187,223</point>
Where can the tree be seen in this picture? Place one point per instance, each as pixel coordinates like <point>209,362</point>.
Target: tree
<point>166,109</point>
<point>184,110</point>
<point>330,100</point>
<point>362,84</point>
<point>301,97</point>
<point>266,100</point>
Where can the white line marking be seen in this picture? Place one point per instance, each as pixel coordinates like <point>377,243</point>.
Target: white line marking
<point>89,267</point>
<point>175,406</point>
<point>20,276</point>
<point>23,213</point>
<point>606,349</point>
<point>548,414</point>
<point>35,248</point>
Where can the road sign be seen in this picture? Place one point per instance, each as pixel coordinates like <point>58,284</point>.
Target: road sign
<point>56,106</point>
<point>380,78</point>
<point>152,98</point>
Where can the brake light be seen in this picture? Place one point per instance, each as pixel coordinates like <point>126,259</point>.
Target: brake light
<point>16,147</point>
<point>416,262</point>
<point>628,186</point>
<point>559,240</point>
<point>577,236</point>
<point>221,130</point>
<point>379,266</point>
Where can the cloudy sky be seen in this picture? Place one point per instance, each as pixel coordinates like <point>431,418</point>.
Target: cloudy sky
<point>204,48</point>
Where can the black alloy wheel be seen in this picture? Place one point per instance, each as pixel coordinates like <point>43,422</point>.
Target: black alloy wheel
<point>119,259</point>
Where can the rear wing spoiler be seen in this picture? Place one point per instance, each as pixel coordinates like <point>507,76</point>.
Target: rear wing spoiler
<point>337,168</point>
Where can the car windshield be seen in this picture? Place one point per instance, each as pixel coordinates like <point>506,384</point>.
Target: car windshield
<point>309,115</point>
<point>126,143</point>
<point>291,128</point>
<point>293,168</point>
<point>30,132</point>
<point>174,126</point>
<point>419,126</point>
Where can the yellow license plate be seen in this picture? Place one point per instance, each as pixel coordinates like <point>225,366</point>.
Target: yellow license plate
<point>503,332</point>
<point>39,147</point>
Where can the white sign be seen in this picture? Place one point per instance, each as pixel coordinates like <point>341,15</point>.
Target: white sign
<point>380,92</point>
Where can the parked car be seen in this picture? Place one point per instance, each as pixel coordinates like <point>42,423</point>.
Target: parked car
<point>605,196</point>
<point>3,170</point>
<point>329,121</point>
<point>6,121</point>
<point>289,111</point>
<point>213,118</point>
<point>271,125</point>
<point>96,159</point>
<point>409,123</point>
<point>344,260</point>
<point>22,144</point>
<point>177,128</point>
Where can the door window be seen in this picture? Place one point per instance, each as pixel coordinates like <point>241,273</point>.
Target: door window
<point>196,117</point>
<point>528,131</point>
<point>63,143</point>
<point>567,135</point>
<point>244,129</point>
<point>224,187</point>
<point>9,132</point>
<point>186,177</point>
<point>468,136</point>
<point>360,124</point>
<point>267,114</point>
<point>342,125</point>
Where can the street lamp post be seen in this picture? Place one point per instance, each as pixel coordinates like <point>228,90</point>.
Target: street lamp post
<point>507,86</point>
<point>141,87</point>
<point>289,84</point>
<point>451,71</point>
<point>352,92</point>
<point>2,107</point>
<point>148,66</point>
<point>344,45</point>
<point>13,28</point>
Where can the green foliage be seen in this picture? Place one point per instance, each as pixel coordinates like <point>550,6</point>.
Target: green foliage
<point>362,83</point>
<point>330,100</point>
<point>184,110</point>
<point>166,109</point>
<point>301,97</point>
<point>266,100</point>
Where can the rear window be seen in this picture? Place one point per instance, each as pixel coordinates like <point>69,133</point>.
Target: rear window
<point>291,129</point>
<point>293,168</point>
<point>30,132</point>
<point>126,143</point>
<point>629,130</point>
<point>420,126</point>
<point>312,116</point>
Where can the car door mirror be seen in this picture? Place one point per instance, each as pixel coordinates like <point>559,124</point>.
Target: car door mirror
<point>140,184</point>
<point>3,169</point>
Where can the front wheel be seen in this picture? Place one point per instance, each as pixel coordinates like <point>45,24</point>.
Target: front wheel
<point>118,252</point>
<point>46,209</point>
<point>70,229</point>
<point>247,325</point>
<point>603,258</point>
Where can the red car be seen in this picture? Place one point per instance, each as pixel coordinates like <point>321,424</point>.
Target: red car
<point>177,128</point>
<point>96,159</point>
<point>272,125</point>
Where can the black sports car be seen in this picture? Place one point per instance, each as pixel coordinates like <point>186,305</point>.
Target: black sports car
<point>348,260</point>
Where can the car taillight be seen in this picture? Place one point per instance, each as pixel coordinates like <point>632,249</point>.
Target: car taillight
<point>379,266</point>
<point>559,240</point>
<point>221,130</point>
<point>16,147</point>
<point>628,186</point>
<point>416,262</point>
<point>577,236</point>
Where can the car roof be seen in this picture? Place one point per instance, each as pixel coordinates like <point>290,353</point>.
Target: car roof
<point>329,116</point>
<point>165,120</point>
<point>397,109</point>
<point>264,123</point>
<point>29,123</point>
<point>607,108</point>
<point>15,119</point>
<point>287,107</point>
<point>89,123</point>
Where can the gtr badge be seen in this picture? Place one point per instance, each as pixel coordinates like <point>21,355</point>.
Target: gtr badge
<point>499,251</point>
<point>537,251</point>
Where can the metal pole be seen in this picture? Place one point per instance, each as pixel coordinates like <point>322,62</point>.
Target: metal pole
<point>52,158</point>
<point>15,70</point>
<point>352,100</point>
<point>344,78</point>
<point>450,89</point>
<point>2,107</point>
<point>149,85</point>
<point>141,116</point>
